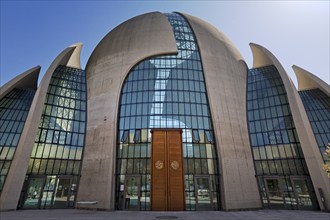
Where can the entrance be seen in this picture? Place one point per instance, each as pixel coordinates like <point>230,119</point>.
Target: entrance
<point>167,185</point>
<point>203,193</point>
<point>33,193</point>
<point>293,193</point>
<point>274,194</point>
<point>132,193</point>
<point>43,192</point>
<point>305,197</point>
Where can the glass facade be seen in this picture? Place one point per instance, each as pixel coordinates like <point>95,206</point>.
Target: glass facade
<point>166,92</point>
<point>317,106</point>
<point>14,108</point>
<point>281,169</point>
<point>54,167</point>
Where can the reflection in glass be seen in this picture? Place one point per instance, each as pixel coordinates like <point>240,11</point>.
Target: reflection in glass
<point>302,189</point>
<point>132,193</point>
<point>275,194</point>
<point>33,192</point>
<point>14,108</point>
<point>59,142</point>
<point>166,92</point>
<point>317,106</point>
<point>204,193</point>
<point>274,140</point>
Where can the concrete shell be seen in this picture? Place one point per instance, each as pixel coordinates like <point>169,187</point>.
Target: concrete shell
<point>215,37</point>
<point>12,189</point>
<point>225,72</point>
<point>134,40</point>
<point>74,60</point>
<point>28,80</point>
<point>262,57</point>
<point>307,80</point>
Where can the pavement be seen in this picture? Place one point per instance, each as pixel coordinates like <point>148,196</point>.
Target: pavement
<point>73,214</point>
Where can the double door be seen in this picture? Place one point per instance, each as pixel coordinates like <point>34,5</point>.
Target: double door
<point>293,193</point>
<point>41,192</point>
<point>167,184</point>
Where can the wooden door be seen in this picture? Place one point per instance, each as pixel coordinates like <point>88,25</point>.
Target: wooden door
<point>167,186</point>
<point>158,171</point>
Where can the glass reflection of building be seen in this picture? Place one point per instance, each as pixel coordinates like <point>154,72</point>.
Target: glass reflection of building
<point>317,106</point>
<point>14,108</point>
<point>281,169</point>
<point>54,168</point>
<point>166,92</point>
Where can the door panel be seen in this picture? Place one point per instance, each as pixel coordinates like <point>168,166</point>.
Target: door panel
<point>63,192</point>
<point>48,192</point>
<point>167,186</point>
<point>158,172</point>
<point>203,193</point>
<point>132,192</point>
<point>274,194</point>
<point>304,194</point>
<point>175,171</point>
<point>33,193</point>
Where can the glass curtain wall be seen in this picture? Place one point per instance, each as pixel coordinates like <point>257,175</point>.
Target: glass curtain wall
<point>14,108</point>
<point>317,106</point>
<point>54,167</point>
<point>281,169</point>
<point>166,92</point>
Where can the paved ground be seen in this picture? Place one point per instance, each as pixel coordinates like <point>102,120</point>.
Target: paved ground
<point>68,214</point>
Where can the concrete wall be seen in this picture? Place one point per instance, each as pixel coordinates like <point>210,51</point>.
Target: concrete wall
<point>136,39</point>
<point>262,57</point>
<point>225,75</point>
<point>16,175</point>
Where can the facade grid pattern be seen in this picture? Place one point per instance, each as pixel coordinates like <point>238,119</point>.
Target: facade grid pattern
<point>14,108</point>
<point>317,106</point>
<point>59,142</point>
<point>274,141</point>
<point>167,92</point>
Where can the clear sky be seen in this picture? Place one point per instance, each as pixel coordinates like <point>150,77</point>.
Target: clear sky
<point>35,32</point>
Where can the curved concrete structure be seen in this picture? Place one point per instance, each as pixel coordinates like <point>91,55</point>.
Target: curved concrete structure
<point>262,57</point>
<point>74,60</point>
<point>136,39</point>
<point>28,80</point>
<point>223,45</point>
<point>12,189</point>
<point>307,80</point>
<point>147,74</point>
<point>225,74</point>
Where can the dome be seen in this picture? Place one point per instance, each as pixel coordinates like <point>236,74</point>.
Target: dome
<point>151,34</point>
<point>143,36</point>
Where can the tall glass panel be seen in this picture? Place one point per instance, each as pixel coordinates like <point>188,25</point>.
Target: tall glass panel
<point>277,153</point>
<point>57,152</point>
<point>317,106</point>
<point>14,108</point>
<point>167,92</point>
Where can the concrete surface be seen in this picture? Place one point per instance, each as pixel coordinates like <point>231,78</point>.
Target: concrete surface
<point>122,215</point>
<point>119,51</point>
<point>225,73</point>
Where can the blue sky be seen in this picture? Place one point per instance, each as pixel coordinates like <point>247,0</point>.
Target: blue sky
<point>35,32</point>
